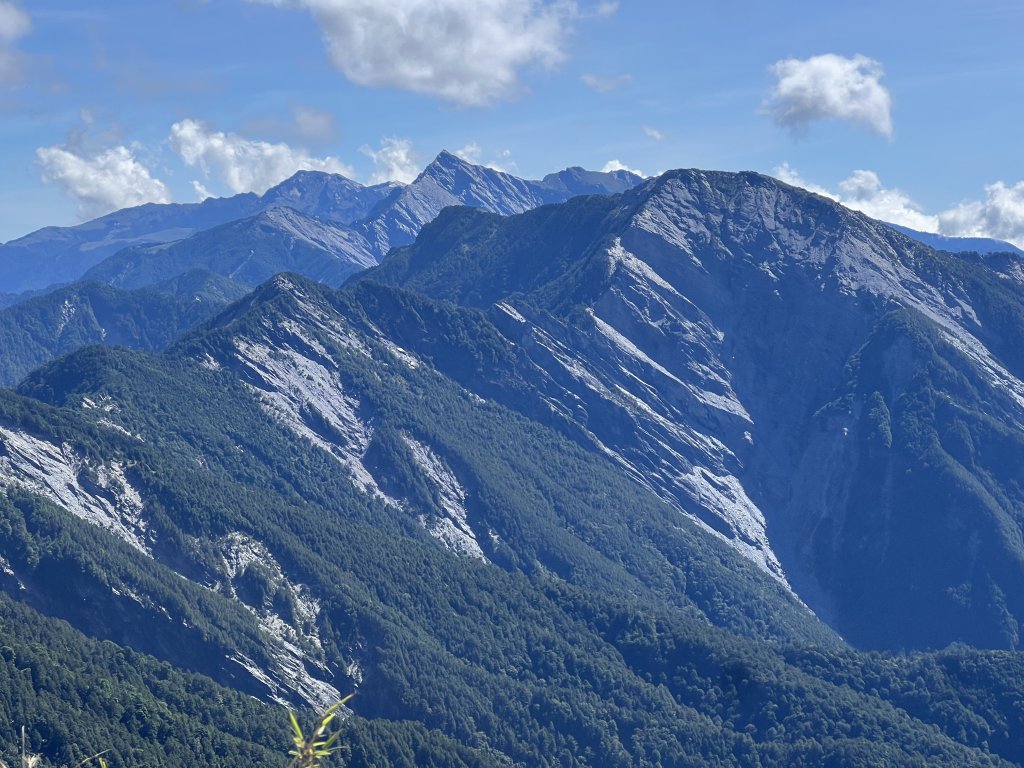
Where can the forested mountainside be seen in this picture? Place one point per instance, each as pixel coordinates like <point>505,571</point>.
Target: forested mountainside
<point>660,478</point>
<point>37,330</point>
<point>345,516</point>
<point>839,401</point>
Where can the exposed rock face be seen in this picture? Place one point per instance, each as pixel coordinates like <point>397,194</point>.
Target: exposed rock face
<point>733,343</point>
<point>98,493</point>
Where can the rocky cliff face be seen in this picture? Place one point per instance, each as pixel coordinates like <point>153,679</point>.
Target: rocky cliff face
<point>704,338</point>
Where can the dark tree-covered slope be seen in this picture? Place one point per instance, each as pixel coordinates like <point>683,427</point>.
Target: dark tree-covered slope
<point>35,331</point>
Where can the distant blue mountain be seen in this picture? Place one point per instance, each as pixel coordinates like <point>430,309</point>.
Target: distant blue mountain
<point>63,254</point>
<point>449,180</point>
<point>982,245</point>
<point>384,214</point>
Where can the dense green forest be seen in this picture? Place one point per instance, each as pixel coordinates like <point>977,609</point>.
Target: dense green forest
<point>600,629</point>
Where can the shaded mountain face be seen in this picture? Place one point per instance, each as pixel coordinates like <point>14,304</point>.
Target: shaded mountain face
<point>249,252</point>
<point>378,214</point>
<point>841,403</point>
<point>294,504</point>
<point>37,330</point>
<point>63,254</point>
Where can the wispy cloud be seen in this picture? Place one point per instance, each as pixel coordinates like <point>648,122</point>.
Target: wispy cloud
<point>314,124</point>
<point>470,153</point>
<point>101,182</point>
<point>653,133</point>
<point>605,84</point>
<point>14,25</point>
<point>614,165</point>
<point>243,164</point>
<point>304,124</point>
<point>14,22</point>
<point>468,52</point>
<point>473,153</point>
<point>830,87</point>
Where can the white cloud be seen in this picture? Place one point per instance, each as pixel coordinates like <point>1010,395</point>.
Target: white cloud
<point>14,24</point>
<point>394,161</point>
<point>863,191</point>
<point>468,52</point>
<point>245,165</point>
<point>830,87</point>
<point>653,133</point>
<point>470,153</point>
<point>999,215</point>
<point>202,193</point>
<point>605,84</point>
<point>615,165</point>
<point>473,153</point>
<point>105,182</point>
<point>790,175</point>
<point>503,162</point>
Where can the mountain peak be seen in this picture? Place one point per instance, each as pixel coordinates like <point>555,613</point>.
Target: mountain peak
<point>303,182</point>
<point>447,167</point>
<point>444,156</point>
<point>326,196</point>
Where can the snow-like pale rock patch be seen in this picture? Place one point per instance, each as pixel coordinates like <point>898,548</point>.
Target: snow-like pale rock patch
<point>649,361</point>
<point>453,530</point>
<point>296,645</point>
<point>98,493</point>
<point>292,383</point>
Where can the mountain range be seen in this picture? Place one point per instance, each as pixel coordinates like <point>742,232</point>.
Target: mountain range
<point>591,471</point>
<point>352,221</point>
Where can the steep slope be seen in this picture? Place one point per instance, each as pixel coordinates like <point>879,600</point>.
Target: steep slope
<point>291,503</point>
<point>450,181</point>
<point>328,196</point>
<point>694,331</point>
<point>248,251</point>
<point>35,331</point>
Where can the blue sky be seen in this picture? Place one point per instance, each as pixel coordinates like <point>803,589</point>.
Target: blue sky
<point>908,110</point>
